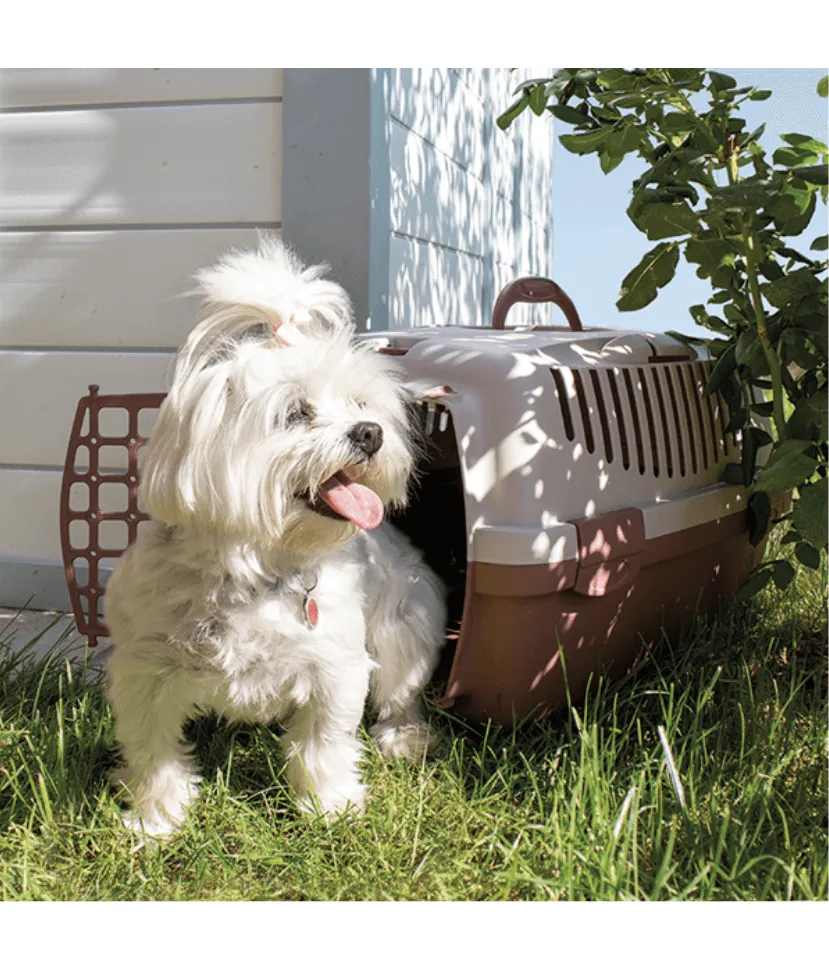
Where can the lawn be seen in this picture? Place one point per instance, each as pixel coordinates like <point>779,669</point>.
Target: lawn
<point>579,807</point>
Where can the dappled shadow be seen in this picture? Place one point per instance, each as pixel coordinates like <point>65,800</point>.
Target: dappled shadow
<point>470,205</point>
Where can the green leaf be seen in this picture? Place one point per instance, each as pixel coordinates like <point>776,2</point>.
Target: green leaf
<point>504,121</point>
<point>654,271</point>
<point>733,474</point>
<point>804,142</point>
<point>793,254</point>
<point>759,515</point>
<point>750,194</point>
<point>754,584</point>
<point>823,86</point>
<point>788,467</point>
<point>624,140</point>
<point>792,286</point>
<point>782,572</point>
<point>585,142</point>
<point>753,439</point>
<point>532,83</point>
<point>568,114</point>
<point>803,348</point>
<point>723,368</point>
<point>538,99</point>
<point>810,419</point>
<point>676,123</point>
<point>819,243</point>
<point>807,555</point>
<point>792,209</point>
<point>816,175</point>
<point>721,82</point>
<point>738,420</point>
<point>690,340</point>
<point>611,77</point>
<point>708,250</point>
<point>787,156</point>
<point>748,346</point>
<point>608,162</point>
<point>759,95</point>
<point>661,220</point>
<point>809,513</point>
<point>734,315</point>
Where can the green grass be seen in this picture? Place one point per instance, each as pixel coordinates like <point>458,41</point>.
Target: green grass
<point>581,807</point>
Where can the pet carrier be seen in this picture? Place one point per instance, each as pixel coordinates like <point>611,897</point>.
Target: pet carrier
<point>569,497</point>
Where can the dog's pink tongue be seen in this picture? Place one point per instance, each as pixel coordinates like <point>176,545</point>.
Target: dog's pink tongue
<point>352,500</point>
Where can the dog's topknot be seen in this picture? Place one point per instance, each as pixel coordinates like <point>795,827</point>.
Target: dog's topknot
<point>261,290</point>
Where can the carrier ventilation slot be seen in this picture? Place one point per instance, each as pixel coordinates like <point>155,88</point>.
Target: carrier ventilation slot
<point>663,419</point>
<point>603,422</point>
<point>643,385</point>
<point>637,426</point>
<point>689,423</point>
<point>584,409</point>
<point>620,419</point>
<point>655,401</point>
<point>563,404</point>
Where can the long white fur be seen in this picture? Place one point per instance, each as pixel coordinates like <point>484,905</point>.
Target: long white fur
<point>206,609</point>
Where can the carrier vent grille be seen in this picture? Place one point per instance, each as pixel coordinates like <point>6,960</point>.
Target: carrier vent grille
<point>655,418</point>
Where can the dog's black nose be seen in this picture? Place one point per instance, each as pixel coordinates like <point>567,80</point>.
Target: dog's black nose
<point>367,436</point>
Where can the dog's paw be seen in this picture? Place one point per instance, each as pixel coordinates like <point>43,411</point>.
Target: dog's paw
<point>152,826</point>
<point>413,741</point>
<point>349,800</point>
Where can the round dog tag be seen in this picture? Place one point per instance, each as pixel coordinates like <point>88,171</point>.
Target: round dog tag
<point>311,612</point>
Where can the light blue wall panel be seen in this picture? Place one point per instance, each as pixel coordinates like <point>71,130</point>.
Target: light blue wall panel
<point>432,197</point>
<point>458,181</point>
<point>431,285</point>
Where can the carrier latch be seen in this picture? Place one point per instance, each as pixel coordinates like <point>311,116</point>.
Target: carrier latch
<point>610,550</point>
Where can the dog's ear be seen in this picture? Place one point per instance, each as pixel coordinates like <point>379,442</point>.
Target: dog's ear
<point>179,471</point>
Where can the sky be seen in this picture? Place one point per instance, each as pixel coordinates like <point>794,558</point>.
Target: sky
<point>594,242</point>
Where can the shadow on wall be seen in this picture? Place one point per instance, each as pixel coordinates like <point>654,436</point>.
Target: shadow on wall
<point>470,205</point>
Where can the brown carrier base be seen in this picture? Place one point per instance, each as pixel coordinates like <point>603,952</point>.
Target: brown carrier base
<point>520,654</point>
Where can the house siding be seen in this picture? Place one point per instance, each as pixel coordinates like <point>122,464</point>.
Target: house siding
<point>115,186</point>
<point>469,205</point>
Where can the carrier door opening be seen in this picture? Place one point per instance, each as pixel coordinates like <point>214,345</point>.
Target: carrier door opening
<point>435,519</point>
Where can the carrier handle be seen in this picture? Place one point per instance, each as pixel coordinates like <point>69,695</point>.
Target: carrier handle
<point>534,290</point>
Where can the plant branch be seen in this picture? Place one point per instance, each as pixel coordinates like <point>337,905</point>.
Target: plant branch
<point>756,303</point>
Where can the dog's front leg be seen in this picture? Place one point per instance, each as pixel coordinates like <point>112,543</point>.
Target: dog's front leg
<point>405,641</point>
<point>321,743</point>
<point>158,774</point>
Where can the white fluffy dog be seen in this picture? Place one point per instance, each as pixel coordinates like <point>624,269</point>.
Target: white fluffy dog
<point>266,588</point>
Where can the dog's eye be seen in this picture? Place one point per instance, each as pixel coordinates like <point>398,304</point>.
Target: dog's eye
<point>299,413</point>
<point>360,403</point>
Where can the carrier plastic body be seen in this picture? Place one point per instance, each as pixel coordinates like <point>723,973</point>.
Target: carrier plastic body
<point>570,499</point>
<point>584,467</point>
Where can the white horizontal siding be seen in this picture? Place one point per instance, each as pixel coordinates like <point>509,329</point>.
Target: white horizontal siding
<point>186,164</point>
<point>43,389</point>
<point>29,515</point>
<point>115,187</point>
<point>43,87</point>
<point>109,288</point>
